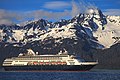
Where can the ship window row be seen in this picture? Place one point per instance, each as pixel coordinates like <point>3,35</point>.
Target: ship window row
<point>36,61</point>
<point>18,64</point>
<point>39,61</point>
<point>8,61</point>
<point>47,63</point>
<point>41,56</point>
<point>45,58</point>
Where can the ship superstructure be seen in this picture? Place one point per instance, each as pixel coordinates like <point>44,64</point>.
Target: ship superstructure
<point>33,61</point>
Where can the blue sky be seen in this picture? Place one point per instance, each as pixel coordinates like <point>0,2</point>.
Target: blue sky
<point>21,10</point>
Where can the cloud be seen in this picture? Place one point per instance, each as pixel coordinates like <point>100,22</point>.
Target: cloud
<point>5,21</point>
<point>9,17</point>
<point>49,15</point>
<point>112,12</point>
<point>81,7</point>
<point>56,5</point>
<point>75,9</point>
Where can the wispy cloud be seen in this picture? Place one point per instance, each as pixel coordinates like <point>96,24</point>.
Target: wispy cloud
<point>81,7</point>
<point>75,9</point>
<point>8,17</point>
<point>49,14</point>
<point>112,12</point>
<point>56,5</point>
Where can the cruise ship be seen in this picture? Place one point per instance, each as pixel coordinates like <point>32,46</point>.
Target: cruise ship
<point>31,61</point>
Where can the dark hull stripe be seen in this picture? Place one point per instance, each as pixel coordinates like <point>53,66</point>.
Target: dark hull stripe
<point>49,68</point>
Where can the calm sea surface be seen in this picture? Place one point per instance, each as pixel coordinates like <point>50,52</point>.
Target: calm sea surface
<point>89,75</point>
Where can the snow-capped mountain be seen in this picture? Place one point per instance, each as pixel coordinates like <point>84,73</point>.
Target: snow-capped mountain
<point>94,28</point>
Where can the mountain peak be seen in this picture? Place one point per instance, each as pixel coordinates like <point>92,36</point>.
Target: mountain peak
<point>98,30</point>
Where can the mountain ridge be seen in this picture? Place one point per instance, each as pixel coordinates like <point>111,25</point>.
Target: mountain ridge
<point>92,36</point>
<point>91,26</point>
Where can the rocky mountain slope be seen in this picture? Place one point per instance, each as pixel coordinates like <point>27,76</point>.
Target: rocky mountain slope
<point>89,35</point>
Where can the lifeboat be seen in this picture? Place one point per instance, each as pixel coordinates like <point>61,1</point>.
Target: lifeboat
<point>35,63</point>
<point>41,63</point>
<point>47,63</point>
<point>53,63</point>
<point>59,63</point>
